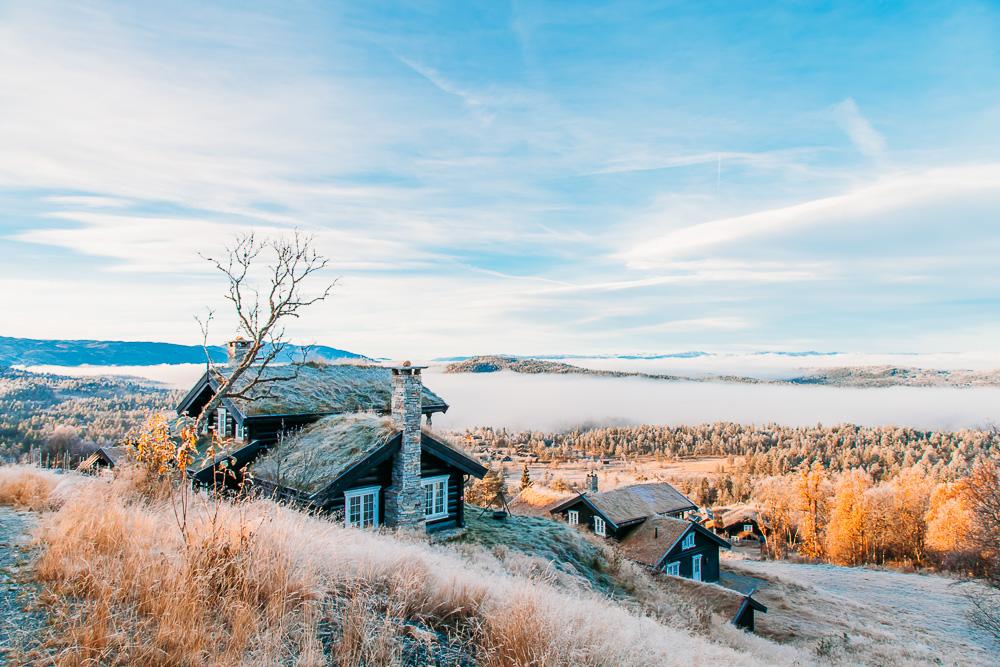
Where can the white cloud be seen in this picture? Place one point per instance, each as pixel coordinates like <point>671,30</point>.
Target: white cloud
<point>864,137</point>
<point>894,192</point>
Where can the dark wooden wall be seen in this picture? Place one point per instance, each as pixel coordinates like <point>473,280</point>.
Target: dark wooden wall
<point>381,475</point>
<point>704,546</point>
<point>587,520</point>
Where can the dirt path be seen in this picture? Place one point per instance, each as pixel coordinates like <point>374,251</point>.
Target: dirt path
<point>14,527</point>
<point>927,613</point>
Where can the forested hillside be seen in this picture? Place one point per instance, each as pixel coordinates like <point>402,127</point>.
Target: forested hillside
<point>99,410</point>
<point>771,449</point>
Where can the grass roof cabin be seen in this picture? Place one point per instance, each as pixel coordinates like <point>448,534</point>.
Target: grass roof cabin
<point>614,513</point>
<point>646,520</point>
<point>740,523</point>
<point>339,438</point>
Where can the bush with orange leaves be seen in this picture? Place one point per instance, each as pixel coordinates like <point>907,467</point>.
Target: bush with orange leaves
<point>161,455</point>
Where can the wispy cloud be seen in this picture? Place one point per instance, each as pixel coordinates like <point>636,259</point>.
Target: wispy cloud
<point>515,178</point>
<point>907,190</point>
<point>864,137</point>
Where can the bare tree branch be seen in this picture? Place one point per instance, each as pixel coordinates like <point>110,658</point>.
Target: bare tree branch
<point>260,321</point>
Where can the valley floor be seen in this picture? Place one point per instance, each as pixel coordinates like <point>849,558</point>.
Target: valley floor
<point>901,617</point>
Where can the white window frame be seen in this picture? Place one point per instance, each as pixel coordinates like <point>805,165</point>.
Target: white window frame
<point>696,567</point>
<point>573,517</point>
<point>221,421</point>
<point>673,568</point>
<point>748,528</point>
<point>688,542</point>
<point>361,492</point>
<point>436,483</point>
<point>600,527</point>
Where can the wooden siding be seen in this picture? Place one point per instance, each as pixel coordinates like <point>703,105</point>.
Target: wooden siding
<point>704,546</point>
<point>380,474</point>
<point>587,515</point>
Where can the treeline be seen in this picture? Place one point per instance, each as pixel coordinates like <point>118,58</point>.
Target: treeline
<point>767,450</point>
<point>40,410</point>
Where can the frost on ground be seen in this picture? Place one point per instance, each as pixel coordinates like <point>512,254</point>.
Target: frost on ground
<point>888,617</point>
<point>14,526</point>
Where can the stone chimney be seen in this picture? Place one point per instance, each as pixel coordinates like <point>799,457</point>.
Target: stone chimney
<point>592,482</point>
<point>236,349</point>
<point>404,498</point>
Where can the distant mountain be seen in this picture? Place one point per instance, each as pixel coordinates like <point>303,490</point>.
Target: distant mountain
<point>33,352</point>
<point>496,362</point>
<point>672,355</point>
<point>848,376</point>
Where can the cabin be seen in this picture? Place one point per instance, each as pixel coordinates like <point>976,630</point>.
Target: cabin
<point>649,521</point>
<point>104,458</point>
<point>676,547</point>
<point>740,524</point>
<point>616,513</point>
<point>342,439</point>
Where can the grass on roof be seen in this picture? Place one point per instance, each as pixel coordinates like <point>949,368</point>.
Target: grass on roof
<point>316,455</point>
<point>321,387</point>
<point>564,547</point>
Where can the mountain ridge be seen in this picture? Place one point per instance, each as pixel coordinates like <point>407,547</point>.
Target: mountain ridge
<point>56,352</point>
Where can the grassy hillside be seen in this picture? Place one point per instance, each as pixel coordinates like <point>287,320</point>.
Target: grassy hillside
<point>131,578</point>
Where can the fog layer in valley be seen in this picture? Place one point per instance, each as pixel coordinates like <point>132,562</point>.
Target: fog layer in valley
<point>552,402</point>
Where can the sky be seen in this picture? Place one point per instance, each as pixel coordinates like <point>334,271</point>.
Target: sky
<point>518,177</point>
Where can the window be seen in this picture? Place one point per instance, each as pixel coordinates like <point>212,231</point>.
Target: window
<point>673,569</point>
<point>688,541</point>
<point>748,528</point>
<point>361,507</point>
<point>600,528</point>
<point>435,497</point>
<point>222,423</point>
<point>573,517</point>
<point>696,568</point>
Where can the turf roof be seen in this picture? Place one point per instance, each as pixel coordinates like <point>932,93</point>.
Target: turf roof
<point>640,500</point>
<point>653,538</point>
<point>315,456</point>
<point>319,388</point>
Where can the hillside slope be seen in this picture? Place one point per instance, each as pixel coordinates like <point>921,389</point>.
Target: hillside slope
<point>255,583</point>
<point>866,615</point>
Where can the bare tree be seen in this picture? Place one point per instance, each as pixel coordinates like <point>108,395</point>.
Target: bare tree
<point>261,314</point>
<point>984,493</point>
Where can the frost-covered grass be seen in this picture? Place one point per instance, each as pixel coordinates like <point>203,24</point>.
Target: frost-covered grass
<point>130,580</point>
<point>868,616</point>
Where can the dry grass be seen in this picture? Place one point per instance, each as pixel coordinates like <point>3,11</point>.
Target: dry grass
<point>26,486</point>
<point>256,583</point>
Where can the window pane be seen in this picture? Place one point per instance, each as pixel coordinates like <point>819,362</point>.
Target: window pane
<point>354,511</point>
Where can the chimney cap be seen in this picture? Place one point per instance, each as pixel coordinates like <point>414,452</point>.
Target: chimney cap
<point>406,367</point>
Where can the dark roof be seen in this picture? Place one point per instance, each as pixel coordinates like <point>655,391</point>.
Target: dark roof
<point>114,455</point>
<point>656,536</point>
<point>313,459</point>
<point>636,502</point>
<point>314,388</point>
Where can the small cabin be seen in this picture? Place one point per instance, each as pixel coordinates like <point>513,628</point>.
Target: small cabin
<point>615,513</point>
<point>739,525</point>
<point>677,547</point>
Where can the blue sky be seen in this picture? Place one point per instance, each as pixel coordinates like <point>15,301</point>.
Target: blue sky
<point>523,177</point>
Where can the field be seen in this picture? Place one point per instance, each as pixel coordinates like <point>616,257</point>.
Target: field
<point>616,472</point>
